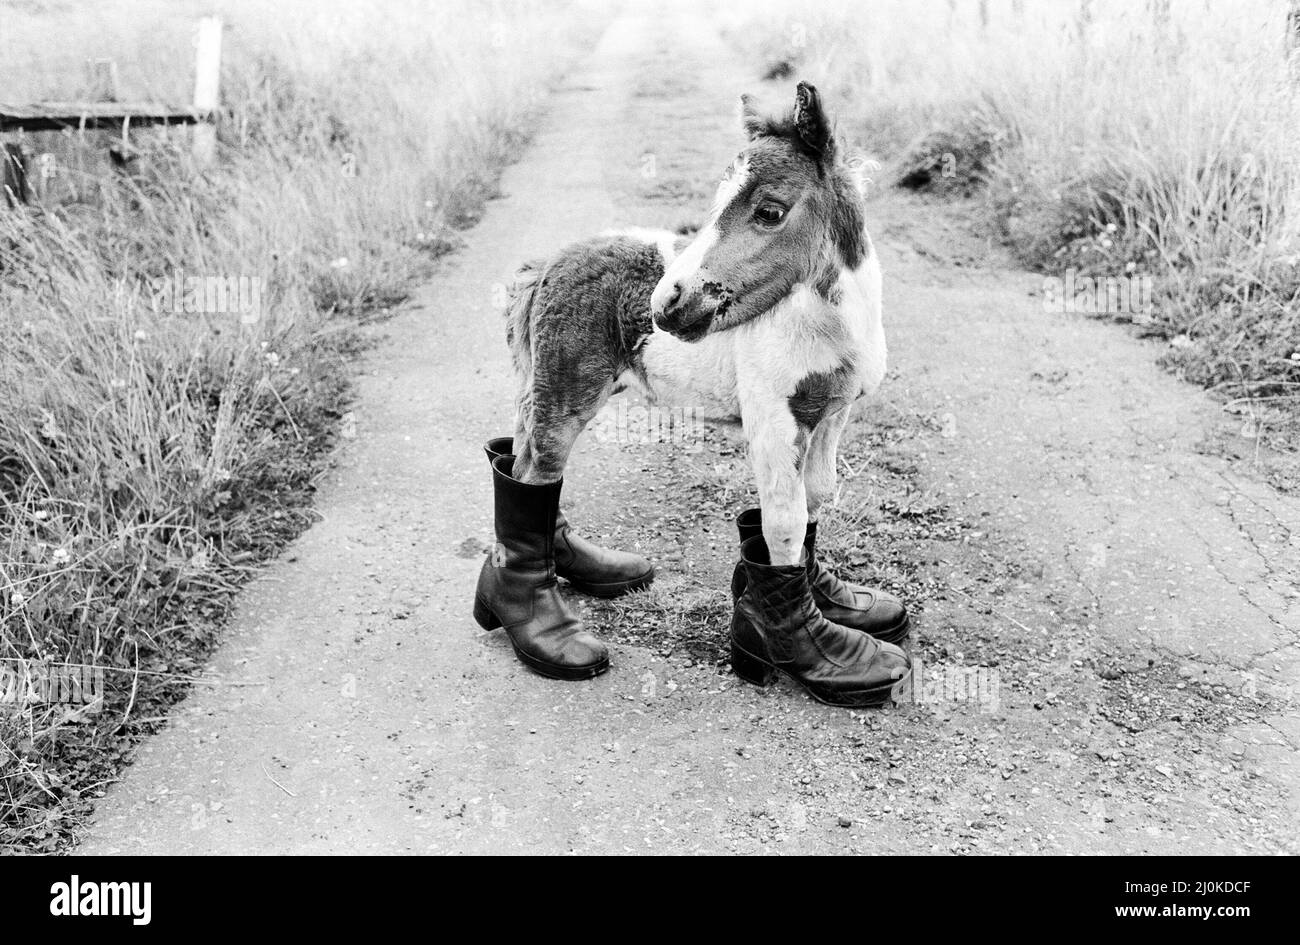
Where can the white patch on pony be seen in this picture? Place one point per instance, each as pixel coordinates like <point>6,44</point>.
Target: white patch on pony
<point>697,375</point>
<point>687,265</point>
<point>861,308</point>
<point>729,187</point>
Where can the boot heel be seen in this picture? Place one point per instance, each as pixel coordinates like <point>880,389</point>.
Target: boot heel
<point>486,619</point>
<point>750,668</point>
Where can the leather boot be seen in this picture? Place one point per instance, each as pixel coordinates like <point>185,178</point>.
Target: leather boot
<point>776,626</point>
<point>589,568</point>
<point>517,588</point>
<point>850,605</point>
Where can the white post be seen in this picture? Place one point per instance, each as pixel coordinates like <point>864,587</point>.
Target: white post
<point>103,79</point>
<point>207,88</point>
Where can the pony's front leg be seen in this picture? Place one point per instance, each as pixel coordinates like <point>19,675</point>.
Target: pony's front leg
<point>777,448</point>
<point>819,468</point>
<point>870,610</point>
<point>778,621</point>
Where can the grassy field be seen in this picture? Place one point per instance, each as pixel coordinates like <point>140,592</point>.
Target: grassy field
<point>1107,140</point>
<point>175,344</point>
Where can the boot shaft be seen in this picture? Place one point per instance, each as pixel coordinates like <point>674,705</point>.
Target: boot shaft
<point>778,596</point>
<point>525,517</point>
<point>749,524</point>
<point>499,446</point>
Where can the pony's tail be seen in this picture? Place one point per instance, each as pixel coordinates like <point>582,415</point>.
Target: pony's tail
<point>519,337</point>
<point>519,316</point>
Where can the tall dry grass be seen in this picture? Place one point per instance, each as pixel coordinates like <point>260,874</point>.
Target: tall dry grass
<point>148,457</point>
<point>1114,138</point>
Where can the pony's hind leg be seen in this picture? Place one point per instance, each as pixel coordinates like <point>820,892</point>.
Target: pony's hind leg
<point>548,427</point>
<point>568,387</point>
<point>566,361</point>
<point>568,350</point>
<point>549,430</point>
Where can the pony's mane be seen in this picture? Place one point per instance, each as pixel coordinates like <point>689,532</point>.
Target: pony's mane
<point>774,126</point>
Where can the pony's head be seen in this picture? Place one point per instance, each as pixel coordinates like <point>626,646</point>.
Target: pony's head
<point>789,211</point>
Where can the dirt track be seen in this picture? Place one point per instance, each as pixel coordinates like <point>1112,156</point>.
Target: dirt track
<point>1032,483</point>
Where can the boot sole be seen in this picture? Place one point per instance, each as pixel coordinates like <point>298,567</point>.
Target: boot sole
<point>616,589</point>
<point>898,634</point>
<point>486,619</point>
<point>759,672</point>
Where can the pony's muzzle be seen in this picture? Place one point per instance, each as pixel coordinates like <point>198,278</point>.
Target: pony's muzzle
<point>687,315</point>
<point>665,297</point>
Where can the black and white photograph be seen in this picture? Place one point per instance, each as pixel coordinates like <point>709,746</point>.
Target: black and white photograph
<point>650,427</point>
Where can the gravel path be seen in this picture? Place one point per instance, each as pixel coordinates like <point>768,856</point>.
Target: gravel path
<point>1041,492</point>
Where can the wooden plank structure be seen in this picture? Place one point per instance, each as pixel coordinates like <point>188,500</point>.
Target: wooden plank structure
<point>95,116</point>
<point>106,113</point>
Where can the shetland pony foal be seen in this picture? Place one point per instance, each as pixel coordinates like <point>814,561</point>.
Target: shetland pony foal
<point>770,316</point>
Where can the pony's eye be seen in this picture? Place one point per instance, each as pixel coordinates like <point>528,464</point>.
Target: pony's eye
<point>769,214</point>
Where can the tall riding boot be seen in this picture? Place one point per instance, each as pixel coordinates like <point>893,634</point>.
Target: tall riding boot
<point>776,626</point>
<point>850,605</point>
<point>517,587</point>
<point>600,572</point>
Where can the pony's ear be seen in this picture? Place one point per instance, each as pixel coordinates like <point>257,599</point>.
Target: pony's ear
<point>810,121</point>
<point>754,123</point>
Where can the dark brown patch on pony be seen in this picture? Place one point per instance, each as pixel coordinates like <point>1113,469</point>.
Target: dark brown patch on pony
<point>818,393</point>
<point>847,221</point>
